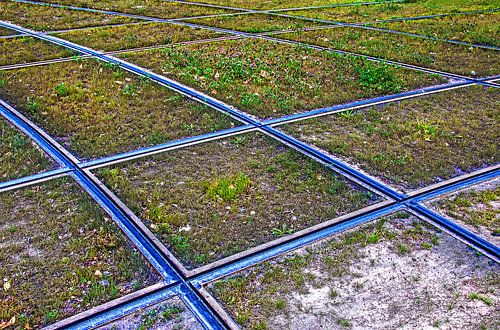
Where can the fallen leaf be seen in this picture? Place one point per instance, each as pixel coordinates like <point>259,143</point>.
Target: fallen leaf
<point>6,286</point>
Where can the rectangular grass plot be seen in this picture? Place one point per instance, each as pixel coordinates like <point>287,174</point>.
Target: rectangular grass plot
<point>137,35</point>
<point>254,23</point>
<point>46,18</point>
<point>397,272</point>
<point>476,208</point>
<point>277,4</point>
<point>169,314</point>
<point>268,79</point>
<point>27,49</point>
<point>413,143</point>
<point>394,10</point>
<point>478,29</point>
<point>19,156</point>
<point>98,110</point>
<point>61,255</point>
<point>210,201</point>
<point>437,55</point>
<point>153,8</point>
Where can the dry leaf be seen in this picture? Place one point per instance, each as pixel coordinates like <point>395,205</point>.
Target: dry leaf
<point>6,286</point>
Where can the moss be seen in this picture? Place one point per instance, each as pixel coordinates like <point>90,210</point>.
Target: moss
<point>26,49</point>
<point>154,8</point>
<point>254,23</point>
<point>94,95</point>
<point>47,18</point>
<point>416,142</point>
<point>210,201</point>
<point>248,292</point>
<point>385,11</point>
<point>479,29</point>
<point>441,56</point>
<point>65,256</point>
<point>477,208</point>
<point>268,79</point>
<point>134,36</point>
<point>18,156</point>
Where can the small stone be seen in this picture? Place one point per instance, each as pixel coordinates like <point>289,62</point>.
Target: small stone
<point>294,218</point>
<point>98,273</point>
<point>252,212</point>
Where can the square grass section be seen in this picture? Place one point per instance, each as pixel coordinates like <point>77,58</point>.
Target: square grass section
<point>387,11</point>
<point>152,8</point>
<point>27,49</point>
<point>277,4</point>
<point>413,143</point>
<point>45,18</point>
<point>476,208</point>
<point>437,55</point>
<point>268,79</point>
<point>61,255</point>
<point>483,29</point>
<point>19,156</point>
<point>135,36</point>
<point>169,314</point>
<point>97,110</point>
<point>255,23</point>
<point>396,272</point>
<point>210,201</point>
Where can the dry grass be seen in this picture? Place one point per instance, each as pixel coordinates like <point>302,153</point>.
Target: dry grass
<point>416,142</point>
<point>61,255</point>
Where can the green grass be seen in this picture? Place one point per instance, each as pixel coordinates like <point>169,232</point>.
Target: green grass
<point>26,49</point>
<point>268,80</point>
<point>413,143</point>
<point>135,36</point>
<point>442,56</point>
<point>154,8</point>
<point>18,156</point>
<point>479,29</point>
<point>371,13</point>
<point>275,4</point>
<point>255,23</point>
<point>95,109</point>
<point>269,291</point>
<point>66,256</point>
<point>47,18</point>
<point>210,201</point>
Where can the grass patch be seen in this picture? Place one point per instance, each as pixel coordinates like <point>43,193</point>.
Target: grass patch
<point>18,156</point>
<point>95,109</point>
<point>269,80</point>
<point>442,56</point>
<point>135,36</point>
<point>384,11</point>
<point>277,292</point>
<point>27,49</point>
<point>477,207</point>
<point>65,256</point>
<point>210,201</point>
<point>45,18</point>
<point>255,23</point>
<point>416,142</point>
<point>478,29</point>
<point>276,4</point>
<point>153,8</point>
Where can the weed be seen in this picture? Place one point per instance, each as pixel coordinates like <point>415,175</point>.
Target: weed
<point>282,230</point>
<point>171,312</point>
<point>478,296</point>
<point>130,90</point>
<point>62,90</point>
<point>33,105</point>
<point>344,323</point>
<point>228,188</point>
<point>334,293</point>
